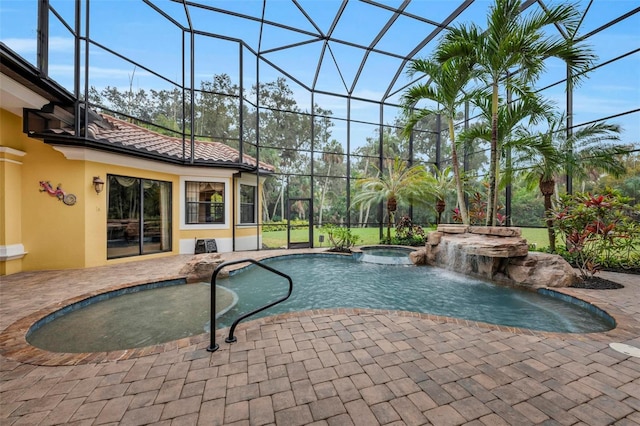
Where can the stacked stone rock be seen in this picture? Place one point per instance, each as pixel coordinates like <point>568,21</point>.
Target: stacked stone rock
<point>496,253</point>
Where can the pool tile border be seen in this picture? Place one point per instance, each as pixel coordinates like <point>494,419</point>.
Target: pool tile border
<point>14,346</point>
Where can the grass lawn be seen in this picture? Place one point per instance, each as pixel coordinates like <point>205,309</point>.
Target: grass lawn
<point>276,239</point>
<point>369,236</point>
<point>537,236</point>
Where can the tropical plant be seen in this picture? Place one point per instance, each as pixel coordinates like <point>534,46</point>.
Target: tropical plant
<point>478,212</point>
<point>445,86</point>
<point>408,234</point>
<point>340,239</point>
<point>441,184</point>
<point>513,120</point>
<point>398,183</point>
<point>546,155</point>
<point>596,227</point>
<point>509,55</point>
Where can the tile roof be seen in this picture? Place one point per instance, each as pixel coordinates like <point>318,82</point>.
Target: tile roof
<point>111,130</point>
<point>128,134</point>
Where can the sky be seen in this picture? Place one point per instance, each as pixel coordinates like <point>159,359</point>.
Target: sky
<point>135,30</point>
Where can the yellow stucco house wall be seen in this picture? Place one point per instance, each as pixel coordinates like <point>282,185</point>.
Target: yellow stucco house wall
<point>39,231</point>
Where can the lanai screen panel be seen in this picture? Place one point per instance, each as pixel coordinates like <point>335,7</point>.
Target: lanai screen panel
<point>297,83</point>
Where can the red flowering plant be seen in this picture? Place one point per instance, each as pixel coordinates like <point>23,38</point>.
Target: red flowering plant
<point>599,230</point>
<point>478,212</point>
<point>408,234</point>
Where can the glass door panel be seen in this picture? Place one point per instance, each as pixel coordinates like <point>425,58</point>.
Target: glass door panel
<point>299,229</point>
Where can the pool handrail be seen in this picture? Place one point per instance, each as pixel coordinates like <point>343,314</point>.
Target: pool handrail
<point>213,346</point>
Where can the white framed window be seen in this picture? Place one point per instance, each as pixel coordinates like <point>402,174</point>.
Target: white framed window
<point>205,203</point>
<point>248,204</point>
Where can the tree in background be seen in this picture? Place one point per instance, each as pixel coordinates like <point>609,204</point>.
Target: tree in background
<point>509,55</point>
<point>398,183</point>
<point>445,86</point>
<point>548,154</point>
<point>217,110</point>
<point>628,184</point>
<point>285,139</point>
<point>332,155</point>
<point>441,184</point>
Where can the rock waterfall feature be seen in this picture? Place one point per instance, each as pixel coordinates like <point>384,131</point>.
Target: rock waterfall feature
<point>496,253</point>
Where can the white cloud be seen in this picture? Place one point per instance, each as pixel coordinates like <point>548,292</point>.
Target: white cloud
<point>25,46</point>
<point>22,46</point>
<point>99,72</point>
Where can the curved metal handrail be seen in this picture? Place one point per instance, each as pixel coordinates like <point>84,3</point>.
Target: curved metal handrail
<point>213,346</point>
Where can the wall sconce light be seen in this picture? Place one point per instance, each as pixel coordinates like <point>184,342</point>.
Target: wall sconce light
<point>98,184</point>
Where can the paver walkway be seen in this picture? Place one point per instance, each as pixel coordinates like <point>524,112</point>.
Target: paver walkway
<point>333,367</point>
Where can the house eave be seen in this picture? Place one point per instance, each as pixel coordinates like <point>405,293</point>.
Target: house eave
<point>67,144</point>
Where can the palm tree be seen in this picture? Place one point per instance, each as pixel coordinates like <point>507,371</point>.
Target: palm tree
<point>399,183</point>
<point>510,54</point>
<point>332,154</point>
<point>513,119</point>
<point>365,154</point>
<point>446,87</point>
<point>550,153</point>
<point>441,184</point>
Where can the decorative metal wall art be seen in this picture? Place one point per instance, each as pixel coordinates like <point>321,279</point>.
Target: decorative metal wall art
<point>68,199</point>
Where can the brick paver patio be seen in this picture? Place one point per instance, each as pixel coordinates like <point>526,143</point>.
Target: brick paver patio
<point>331,367</point>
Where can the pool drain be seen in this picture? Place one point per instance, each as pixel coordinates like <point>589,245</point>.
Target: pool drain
<point>625,349</point>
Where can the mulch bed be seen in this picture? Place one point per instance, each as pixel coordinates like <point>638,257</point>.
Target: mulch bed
<point>598,283</point>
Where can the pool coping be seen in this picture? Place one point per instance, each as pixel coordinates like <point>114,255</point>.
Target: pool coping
<point>14,346</point>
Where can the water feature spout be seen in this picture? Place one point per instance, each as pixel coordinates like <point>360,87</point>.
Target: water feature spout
<point>495,253</point>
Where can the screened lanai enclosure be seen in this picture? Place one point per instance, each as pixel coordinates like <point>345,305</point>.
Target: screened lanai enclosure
<point>316,88</point>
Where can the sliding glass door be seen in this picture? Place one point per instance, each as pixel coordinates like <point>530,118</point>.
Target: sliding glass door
<point>139,217</point>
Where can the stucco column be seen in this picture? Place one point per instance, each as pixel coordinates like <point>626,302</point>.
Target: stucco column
<point>11,248</point>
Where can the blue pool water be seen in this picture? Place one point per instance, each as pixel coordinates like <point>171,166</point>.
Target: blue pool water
<point>172,312</point>
<point>385,255</point>
<point>320,283</point>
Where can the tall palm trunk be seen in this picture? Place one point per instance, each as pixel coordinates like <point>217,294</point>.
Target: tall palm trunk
<point>265,207</point>
<point>366,215</point>
<point>440,206</point>
<point>493,160</point>
<point>392,205</point>
<point>456,174</point>
<point>546,188</point>
<point>362,208</point>
<point>324,191</point>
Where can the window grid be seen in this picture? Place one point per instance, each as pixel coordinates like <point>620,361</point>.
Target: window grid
<point>205,202</point>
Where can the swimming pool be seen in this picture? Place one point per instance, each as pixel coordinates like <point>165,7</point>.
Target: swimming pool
<point>320,281</point>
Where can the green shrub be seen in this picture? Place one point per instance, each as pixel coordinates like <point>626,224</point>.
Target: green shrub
<point>407,234</point>
<point>340,239</point>
<point>282,225</point>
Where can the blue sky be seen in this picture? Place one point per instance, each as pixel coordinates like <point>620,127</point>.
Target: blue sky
<point>135,30</point>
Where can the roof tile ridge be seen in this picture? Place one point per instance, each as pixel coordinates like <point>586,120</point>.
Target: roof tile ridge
<point>153,132</point>
<point>125,125</point>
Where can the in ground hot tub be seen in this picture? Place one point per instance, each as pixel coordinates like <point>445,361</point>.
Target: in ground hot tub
<point>386,255</point>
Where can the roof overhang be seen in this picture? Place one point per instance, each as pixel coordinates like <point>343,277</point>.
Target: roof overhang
<point>93,154</point>
<point>71,144</point>
<point>25,74</point>
<point>14,97</point>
